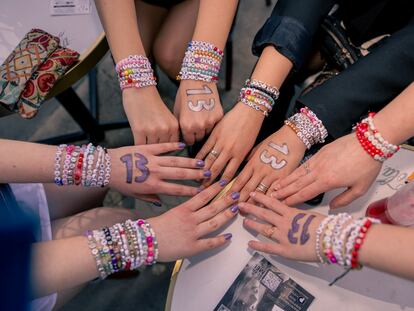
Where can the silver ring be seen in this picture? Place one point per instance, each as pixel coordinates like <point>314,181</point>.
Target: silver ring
<point>262,188</point>
<point>214,153</point>
<point>306,167</point>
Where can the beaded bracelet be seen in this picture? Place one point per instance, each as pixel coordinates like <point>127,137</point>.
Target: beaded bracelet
<point>338,243</point>
<point>135,71</point>
<point>264,87</point>
<point>202,61</point>
<point>319,232</point>
<point>58,160</point>
<point>259,96</point>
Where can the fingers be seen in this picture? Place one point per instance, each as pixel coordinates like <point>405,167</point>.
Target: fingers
<point>242,179</point>
<point>188,135</point>
<point>139,138</point>
<point>304,194</point>
<point>156,149</point>
<point>231,169</point>
<point>212,156</point>
<point>216,222</point>
<point>217,167</point>
<point>177,189</point>
<point>250,186</point>
<point>262,187</point>
<point>199,135</point>
<point>209,144</point>
<point>269,202</point>
<point>346,197</point>
<point>211,210</point>
<point>212,243</point>
<point>175,135</point>
<point>184,162</point>
<point>205,196</point>
<point>295,186</point>
<point>261,213</point>
<point>266,230</point>
<point>292,177</point>
<point>173,173</point>
<point>269,248</point>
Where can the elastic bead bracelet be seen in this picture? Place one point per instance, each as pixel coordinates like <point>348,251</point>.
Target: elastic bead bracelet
<point>58,164</point>
<point>319,232</point>
<point>360,240</point>
<point>338,243</point>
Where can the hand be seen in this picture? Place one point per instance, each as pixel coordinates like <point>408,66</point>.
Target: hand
<point>180,231</point>
<point>140,170</point>
<point>274,158</point>
<point>198,109</point>
<point>292,231</point>
<point>342,163</point>
<point>232,138</point>
<point>151,121</point>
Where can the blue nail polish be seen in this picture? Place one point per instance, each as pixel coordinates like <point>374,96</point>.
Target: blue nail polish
<point>223,182</point>
<point>235,195</point>
<point>207,173</point>
<point>181,145</point>
<point>228,236</point>
<point>159,204</point>
<point>234,209</point>
<point>200,163</point>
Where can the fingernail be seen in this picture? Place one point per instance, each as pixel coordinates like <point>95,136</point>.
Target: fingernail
<point>234,209</point>
<point>273,194</point>
<point>235,195</point>
<point>181,145</point>
<point>277,187</point>
<point>207,173</point>
<point>252,194</point>
<point>159,204</point>
<point>200,163</point>
<point>223,182</point>
<point>228,236</point>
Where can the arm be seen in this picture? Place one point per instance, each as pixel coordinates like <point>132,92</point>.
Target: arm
<point>213,24</point>
<point>150,119</point>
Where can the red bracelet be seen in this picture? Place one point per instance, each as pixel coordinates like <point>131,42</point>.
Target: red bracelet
<point>358,243</point>
<point>78,169</point>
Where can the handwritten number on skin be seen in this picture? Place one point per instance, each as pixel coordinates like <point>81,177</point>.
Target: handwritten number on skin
<point>305,236</point>
<point>140,164</point>
<point>201,103</point>
<point>272,160</point>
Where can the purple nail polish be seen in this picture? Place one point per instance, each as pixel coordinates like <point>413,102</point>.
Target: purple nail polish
<point>207,173</point>
<point>234,209</point>
<point>223,182</point>
<point>159,204</point>
<point>235,195</point>
<point>228,236</point>
<point>181,145</point>
<point>200,163</point>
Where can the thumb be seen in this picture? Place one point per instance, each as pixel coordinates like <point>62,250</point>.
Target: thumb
<point>346,197</point>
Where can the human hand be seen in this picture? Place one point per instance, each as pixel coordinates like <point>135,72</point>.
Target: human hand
<point>150,120</point>
<point>232,139</point>
<point>292,231</point>
<point>342,163</point>
<point>180,231</point>
<point>197,108</point>
<point>138,170</point>
<point>274,158</point>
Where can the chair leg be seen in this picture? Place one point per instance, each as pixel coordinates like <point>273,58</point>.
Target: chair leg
<point>93,94</point>
<point>229,64</point>
<point>81,115</point>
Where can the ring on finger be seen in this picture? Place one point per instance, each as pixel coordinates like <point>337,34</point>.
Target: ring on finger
<point>262,188</point>
<point>306,167</point>
<point>269,231</point>
<point>214,153</point>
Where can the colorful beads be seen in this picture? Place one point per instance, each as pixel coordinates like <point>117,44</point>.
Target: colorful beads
<point>135,71</point>
<point>201,62</point>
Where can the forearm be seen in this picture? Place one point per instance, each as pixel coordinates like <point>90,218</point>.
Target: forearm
<point>26,162</point>
<point>390,249</point>
<point>214,21</point>
<point>121,28</point>
<point>56,266</point>
<point>395,121</point>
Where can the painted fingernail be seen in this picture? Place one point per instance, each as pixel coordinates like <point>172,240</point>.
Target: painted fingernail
<point>200,163</point>
<point>159,204</point>
<point>207,173</point>
<point>235,195</point>
<point>181,145</point>
<point>228,236</point>
<point>234,209</point>
<point>223,182</point>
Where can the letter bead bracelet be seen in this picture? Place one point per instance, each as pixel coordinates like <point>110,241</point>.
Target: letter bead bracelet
<point>259,96</point>
<point>88,166</point>
<point>123,247</point>
<point>135,71</point>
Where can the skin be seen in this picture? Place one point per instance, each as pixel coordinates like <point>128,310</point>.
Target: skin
<point>161,169</point>
<point>256,171</point>
<point>242,121</point>
<point>67,262</point>
<point>380,243</point>
<point>344,163</point>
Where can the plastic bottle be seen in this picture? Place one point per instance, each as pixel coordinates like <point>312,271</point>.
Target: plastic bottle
<point>397,209</point>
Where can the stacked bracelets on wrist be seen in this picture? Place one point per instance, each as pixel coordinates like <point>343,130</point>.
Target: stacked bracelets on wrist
<point>135,71</point>
<point>259,96</point>
<point>88,166</point>
<point>201,62</point>
<point>307,127</point>
<point>339,239</point>
<point>123,247</point>
<point>372,141</point>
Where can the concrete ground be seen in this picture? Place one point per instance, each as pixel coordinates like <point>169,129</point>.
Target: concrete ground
<point>148,290</point>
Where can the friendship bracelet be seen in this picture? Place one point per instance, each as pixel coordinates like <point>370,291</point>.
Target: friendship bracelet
<point>319,232</point>
<point>135,71</point>
<point>272,91</point>
<point>58,160</point>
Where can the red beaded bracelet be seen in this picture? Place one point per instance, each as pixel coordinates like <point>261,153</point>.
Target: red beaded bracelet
<point>78,169</point>
<point>358,243</point>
